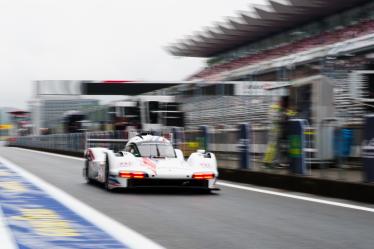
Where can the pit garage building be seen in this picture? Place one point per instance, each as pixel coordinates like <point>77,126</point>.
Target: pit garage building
<point>298,42</point>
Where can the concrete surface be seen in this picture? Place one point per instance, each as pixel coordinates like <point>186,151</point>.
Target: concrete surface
<point>231,218</point>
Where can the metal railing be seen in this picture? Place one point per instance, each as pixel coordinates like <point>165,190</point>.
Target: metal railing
<point>225,143</point>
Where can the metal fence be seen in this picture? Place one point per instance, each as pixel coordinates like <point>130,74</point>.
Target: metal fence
<point>322,150</point>
<point>73,142</point>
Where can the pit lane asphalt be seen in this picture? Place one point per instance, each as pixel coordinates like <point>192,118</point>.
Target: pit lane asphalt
<point>232,218</point>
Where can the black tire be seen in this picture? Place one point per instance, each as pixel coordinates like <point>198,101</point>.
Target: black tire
<point>206,191</point>
<point>86,170</point>
<point>106,182</point>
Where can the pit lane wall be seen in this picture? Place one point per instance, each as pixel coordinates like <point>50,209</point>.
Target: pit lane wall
<point>229,146</point>
<point>226,143</point>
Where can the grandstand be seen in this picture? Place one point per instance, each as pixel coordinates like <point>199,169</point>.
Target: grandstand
<point>285,40</point>
<point>305,44</point>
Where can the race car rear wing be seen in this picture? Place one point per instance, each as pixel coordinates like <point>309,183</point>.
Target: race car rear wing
<point>110,143</point>
<point>111,140</point>
<point>108,139</point>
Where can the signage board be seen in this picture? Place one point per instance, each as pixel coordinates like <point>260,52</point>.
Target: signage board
<point>6,126</point>
<point>260,88</point>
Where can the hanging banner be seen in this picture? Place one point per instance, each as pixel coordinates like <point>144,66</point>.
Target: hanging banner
<point>368,149</point>
<point>296,143</point>
<point>244,146</point>
<point>6,126</point>
<point>260,88</point>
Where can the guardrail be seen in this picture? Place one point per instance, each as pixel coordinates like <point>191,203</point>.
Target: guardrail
<point>73,142</point>
<point>227,146</point>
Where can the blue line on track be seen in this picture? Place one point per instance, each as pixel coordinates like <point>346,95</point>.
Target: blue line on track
<point>37,220</point>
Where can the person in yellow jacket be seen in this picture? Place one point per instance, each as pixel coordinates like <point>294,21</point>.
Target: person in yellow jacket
<point>279,114</point>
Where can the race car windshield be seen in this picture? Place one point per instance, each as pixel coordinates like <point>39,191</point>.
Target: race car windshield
<point>156,150</point>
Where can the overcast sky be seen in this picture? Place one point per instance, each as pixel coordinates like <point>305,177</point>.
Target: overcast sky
<point>98,39</point>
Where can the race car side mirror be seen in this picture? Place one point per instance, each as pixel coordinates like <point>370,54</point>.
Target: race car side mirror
<point>179,154</point>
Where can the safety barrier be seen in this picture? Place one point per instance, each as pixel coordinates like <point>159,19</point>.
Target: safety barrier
<point>73,142</point>
<point>324,152</point>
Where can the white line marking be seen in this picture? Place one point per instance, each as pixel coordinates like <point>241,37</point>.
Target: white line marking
<point>259,190</point>
<point>298,197</point>
<point>49,153</point>
<point>6,237</point>
<point>120,232</point>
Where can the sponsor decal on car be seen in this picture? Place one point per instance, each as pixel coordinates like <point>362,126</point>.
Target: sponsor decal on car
<point>150,165</point>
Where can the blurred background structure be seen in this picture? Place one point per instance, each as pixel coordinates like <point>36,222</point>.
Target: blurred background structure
<point>5,122</point>
<point>309,60</point>
<point>322,51</point>
<point>291,41</point>
<point>285,102</point>
<point>14,122</point>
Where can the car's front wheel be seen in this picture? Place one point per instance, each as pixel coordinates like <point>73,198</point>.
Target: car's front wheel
<point>106,182</point>
<point>87,172</point>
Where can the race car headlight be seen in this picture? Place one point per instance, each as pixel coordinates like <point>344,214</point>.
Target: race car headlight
<point>132,175</point>
<point>203,176</point>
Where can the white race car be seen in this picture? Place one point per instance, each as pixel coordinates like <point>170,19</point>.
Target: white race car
<point>150,161</point>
